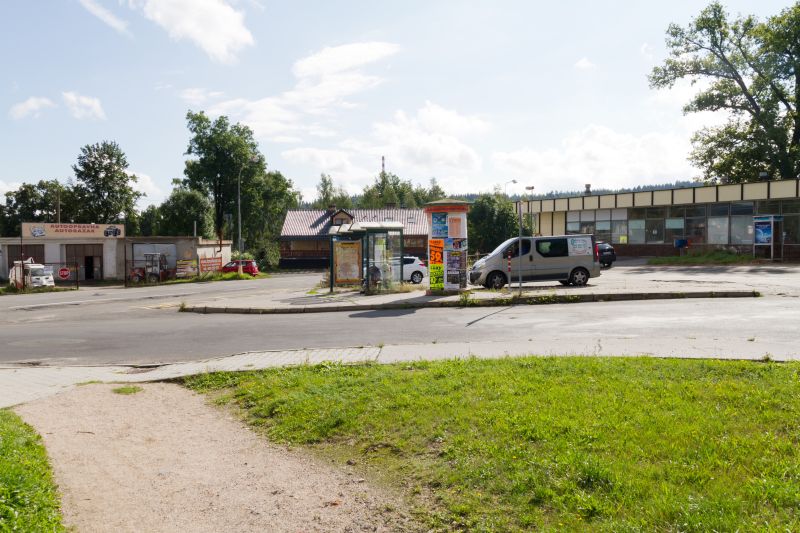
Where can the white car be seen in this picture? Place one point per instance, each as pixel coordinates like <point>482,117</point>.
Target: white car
<point>414,269</point>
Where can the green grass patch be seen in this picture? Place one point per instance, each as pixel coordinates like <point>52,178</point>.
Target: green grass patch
<point>716,257</point>
<point>608,444</point>
<point>127,389</point>
<point>10,289</point>
<point>29,499</point>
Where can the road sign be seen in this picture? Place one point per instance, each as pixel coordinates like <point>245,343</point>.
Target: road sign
<point>63,273</point>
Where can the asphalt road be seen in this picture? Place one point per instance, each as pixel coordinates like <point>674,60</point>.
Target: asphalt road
<point>114,325</point>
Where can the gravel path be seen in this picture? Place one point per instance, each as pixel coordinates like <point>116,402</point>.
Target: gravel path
<point>164,460</point>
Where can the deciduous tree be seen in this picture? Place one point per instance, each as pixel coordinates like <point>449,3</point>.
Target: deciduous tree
<point>752,72</point>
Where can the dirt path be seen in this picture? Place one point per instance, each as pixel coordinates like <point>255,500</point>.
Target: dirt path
<point>163,460</point>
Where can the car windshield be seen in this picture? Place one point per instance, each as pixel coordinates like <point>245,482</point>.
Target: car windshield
<point>503,246</point>
<point>37,272</point>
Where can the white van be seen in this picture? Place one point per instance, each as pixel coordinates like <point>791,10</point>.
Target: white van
<point>36,275</point>
<point>568,259</point>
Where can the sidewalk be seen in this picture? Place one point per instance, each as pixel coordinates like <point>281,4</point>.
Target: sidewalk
<point>603,289</point>
<point>21,384</point>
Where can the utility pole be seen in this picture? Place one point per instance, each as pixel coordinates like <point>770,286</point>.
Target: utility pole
<point>383,165</point>
<point>58,204</point>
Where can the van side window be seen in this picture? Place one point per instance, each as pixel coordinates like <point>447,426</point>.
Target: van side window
<point>526,248</point>
<point>552,247</point>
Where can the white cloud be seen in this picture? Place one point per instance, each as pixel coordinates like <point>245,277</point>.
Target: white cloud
<point>196,96</point>
<point>153,193</point>
<point>603,157</point>
<point>6,186</point>
<point>212,25</point>
<point>584,64</point>
<point>335,59</point>
<point>119,25</point>
<point>320,90</point>
<point>83,107</point>
<point>327,161</point>
<point>431,140</point>
<point>646,51</point>
<point>32,106</point>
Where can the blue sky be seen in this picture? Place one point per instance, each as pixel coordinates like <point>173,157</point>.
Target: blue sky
<point>475,94</point>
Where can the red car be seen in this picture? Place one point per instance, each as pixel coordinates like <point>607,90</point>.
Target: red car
<point>248,266</point>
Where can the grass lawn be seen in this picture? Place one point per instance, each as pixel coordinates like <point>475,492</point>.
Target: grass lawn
<point>608,444</point>
<point>9,289</point>
<point>717,257</point>
<point>29,500</point>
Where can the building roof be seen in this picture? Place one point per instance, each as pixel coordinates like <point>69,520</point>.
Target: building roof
<point>316,223</point>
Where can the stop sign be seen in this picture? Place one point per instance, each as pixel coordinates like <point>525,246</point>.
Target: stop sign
<point>63,273</point>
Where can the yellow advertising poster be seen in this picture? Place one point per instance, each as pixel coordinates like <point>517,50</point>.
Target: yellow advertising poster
<point>436,263</point>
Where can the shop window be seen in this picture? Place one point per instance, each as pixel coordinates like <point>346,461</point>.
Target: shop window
<point>637,213</point>
<point>636,231</point>
<point>573,216</point>
<point>587,227</point>
<point>587,216</point>
<point>791,227</point>
<point>696,229</point>
<point>619,214</point>
<point>655,230</point>
<point>602,230</point>
<point>718,210</point>
<point>768,207</point>
<point>676,211</point>
<point>695,211</point>
<point>717,230</point>
<point>673,229</point>
<point>742,230</point>
<point>619,232</point>
<point>741,208</point>
<point>603,214</point>
<point>573,227</point>
<point>656,212</point>
<point>790,207</point>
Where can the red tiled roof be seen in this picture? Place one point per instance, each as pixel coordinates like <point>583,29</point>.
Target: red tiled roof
<point>312,223</point>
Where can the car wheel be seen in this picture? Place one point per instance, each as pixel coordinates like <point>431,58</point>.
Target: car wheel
<point>416,277</point>
<point>579,277</point>
<point>496,280</point>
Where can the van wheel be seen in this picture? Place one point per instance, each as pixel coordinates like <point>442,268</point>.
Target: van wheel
<point>416,277</point>
<point>496,280</point>
<point>579,277</point>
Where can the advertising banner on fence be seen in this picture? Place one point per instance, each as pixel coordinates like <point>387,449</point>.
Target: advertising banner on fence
<point>43,230</point>
<point>210,264</point>
<point>763,231</point>
<point>436,263</point>
<point>186,268</point>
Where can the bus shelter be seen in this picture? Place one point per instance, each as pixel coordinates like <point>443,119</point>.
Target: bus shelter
<point>380,257</point>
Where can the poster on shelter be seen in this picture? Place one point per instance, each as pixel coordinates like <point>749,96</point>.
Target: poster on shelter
<point>436,263</point>
<point>438,225</point>
<point>763,229</point>
<point>347,262</point>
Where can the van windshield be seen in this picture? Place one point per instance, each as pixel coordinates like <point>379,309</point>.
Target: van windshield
<point>37,272</point>
<point>503,246</point>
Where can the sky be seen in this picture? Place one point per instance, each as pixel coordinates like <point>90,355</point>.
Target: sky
<point>476,94</point>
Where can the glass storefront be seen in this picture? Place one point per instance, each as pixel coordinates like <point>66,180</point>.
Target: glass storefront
<point>720,223</point>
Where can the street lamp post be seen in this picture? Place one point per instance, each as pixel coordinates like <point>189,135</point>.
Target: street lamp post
<point>519,274</point>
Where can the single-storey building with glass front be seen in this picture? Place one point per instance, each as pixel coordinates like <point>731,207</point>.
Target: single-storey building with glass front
<point>649,222</point>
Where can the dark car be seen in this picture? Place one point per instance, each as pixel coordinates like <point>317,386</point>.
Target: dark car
<point>606,253</point>
<point>248,266</point>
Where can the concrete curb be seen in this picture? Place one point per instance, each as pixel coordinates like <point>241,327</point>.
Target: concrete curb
<point>488,302</point>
